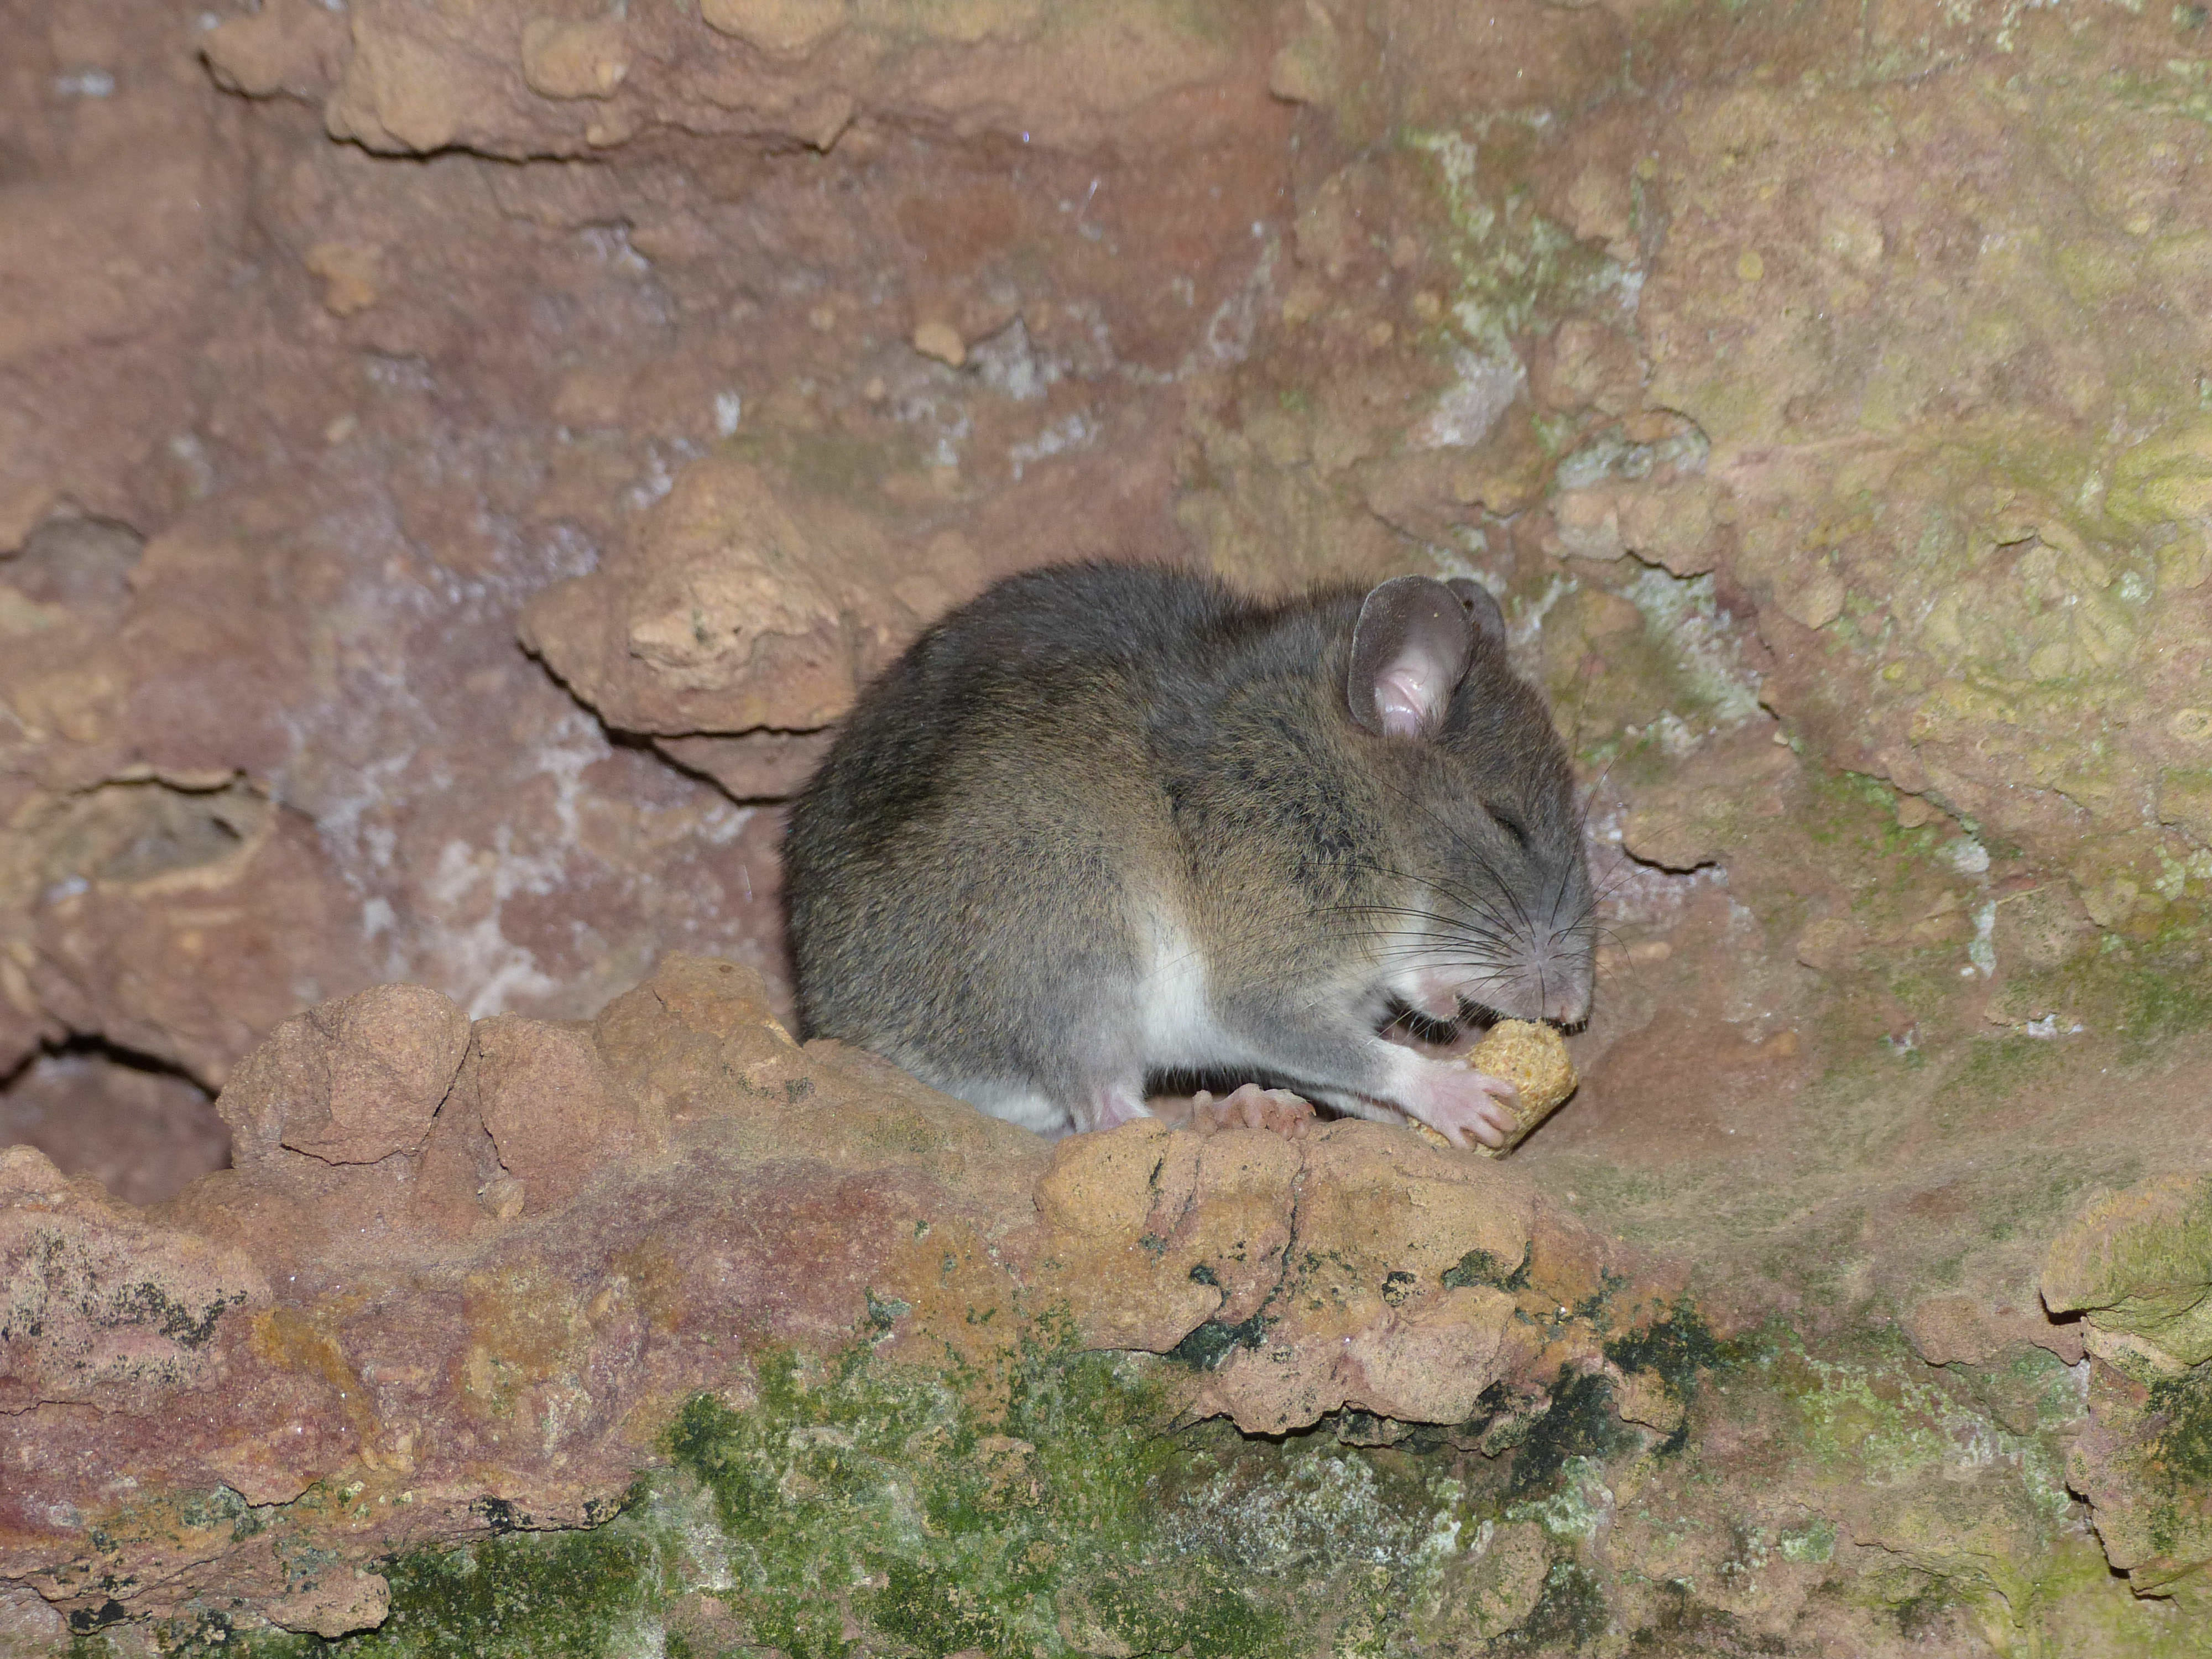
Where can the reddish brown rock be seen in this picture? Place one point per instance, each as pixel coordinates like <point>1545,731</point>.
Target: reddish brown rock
<point>729,615</point>
<point>419,80</point>
<point>351,1081</point>
<point>553,1110</point>
<point>695,1186</point>
<point>1390,1298</point>
<point>752,766</point>
<point>346,1600</point>
<point>1952,1330</point>
<point>1703,811</point>
<point>1786,368</point>
<point>102,1308</point>
<point>351,464</point>
<point>1156,1231</point>
<point>143,1133</point>
<point>294,47</point>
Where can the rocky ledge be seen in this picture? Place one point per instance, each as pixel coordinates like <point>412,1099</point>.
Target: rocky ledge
<point>466,1280</point>
<point>662,1333</point>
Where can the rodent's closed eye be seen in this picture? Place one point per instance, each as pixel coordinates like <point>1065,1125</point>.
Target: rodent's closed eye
<point>1507,820</point>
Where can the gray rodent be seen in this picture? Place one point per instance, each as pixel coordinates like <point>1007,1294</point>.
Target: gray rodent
<point>1107,821</point>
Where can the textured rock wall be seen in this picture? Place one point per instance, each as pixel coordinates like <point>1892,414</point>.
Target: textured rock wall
<point>708,354</point>
<point>519,1337</point>
<point>292,431</point>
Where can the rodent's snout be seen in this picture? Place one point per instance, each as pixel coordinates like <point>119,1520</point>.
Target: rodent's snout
<point>1547,981</point>
<point>1554,980</point>
<point>1569,1006</point>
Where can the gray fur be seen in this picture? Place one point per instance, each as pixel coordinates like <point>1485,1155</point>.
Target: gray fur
<point>1090,758</point>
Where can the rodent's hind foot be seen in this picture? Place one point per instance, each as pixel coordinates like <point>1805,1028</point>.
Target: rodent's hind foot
<point>1116,1104</point>
<point>1251,1107</point>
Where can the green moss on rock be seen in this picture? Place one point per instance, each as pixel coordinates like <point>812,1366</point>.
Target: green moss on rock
<point>854,1493</point>
<point>851,1505</point>
<point>1516,268</point>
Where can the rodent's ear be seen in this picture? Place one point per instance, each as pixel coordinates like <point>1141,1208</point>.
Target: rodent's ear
<point>1409,650</point>
<point>1482,610</point>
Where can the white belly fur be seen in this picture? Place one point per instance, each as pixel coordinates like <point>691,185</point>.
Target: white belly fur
<point>1168,1024</point>
<point>1049,1118</point>
<point>1176,1026</point>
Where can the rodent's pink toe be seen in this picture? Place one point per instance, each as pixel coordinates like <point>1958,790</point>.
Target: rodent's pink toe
<point>1277,1109</point>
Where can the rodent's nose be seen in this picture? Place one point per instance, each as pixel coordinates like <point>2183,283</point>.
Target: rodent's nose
<point>1568,1006</point>
<point>1565,977</point>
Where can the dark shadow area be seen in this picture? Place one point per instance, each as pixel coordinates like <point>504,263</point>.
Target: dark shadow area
<point>140,1127</point>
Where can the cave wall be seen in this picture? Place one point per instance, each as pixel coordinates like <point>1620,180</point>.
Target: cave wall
<point>709,355</point>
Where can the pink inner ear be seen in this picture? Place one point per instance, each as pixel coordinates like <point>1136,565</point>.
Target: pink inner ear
<point>1406,699</point>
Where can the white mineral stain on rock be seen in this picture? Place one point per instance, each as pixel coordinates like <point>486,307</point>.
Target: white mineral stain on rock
<point>1967,856</point>
<point>1685,614</point>
<point>1483,389</point>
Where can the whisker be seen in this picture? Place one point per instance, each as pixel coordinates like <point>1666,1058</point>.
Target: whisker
<point>1449,934</point>
<point>1465,846</point>
<point>1597,784</point>
<point>1451,889</point>
<point>1412,911</point>
<point>1462,960</point>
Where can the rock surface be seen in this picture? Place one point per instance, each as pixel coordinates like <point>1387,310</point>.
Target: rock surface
<point>806,1297</point>
<point>663,417</point>
<point>367,1350</point>
<point>2136,1268</point>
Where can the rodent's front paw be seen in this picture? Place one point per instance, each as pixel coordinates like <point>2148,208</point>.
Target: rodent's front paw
<point>1456,1102</point>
